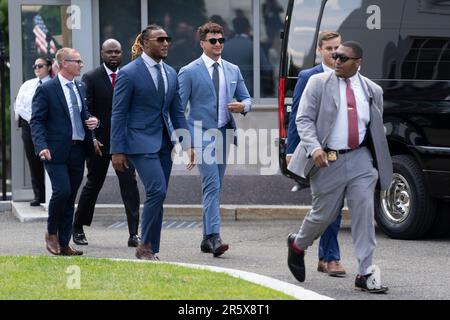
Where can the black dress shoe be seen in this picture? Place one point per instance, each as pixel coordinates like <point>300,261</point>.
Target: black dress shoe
<point>133,241</point>
<point>373,287</point>
<point>214,245</point>
<point>296,259</point>
<point>35,203</point>
<point>80,238</point>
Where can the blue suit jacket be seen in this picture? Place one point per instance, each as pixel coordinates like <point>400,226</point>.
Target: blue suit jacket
<point>303,77</point>
<point>138,119</point>
<point>50,123</point>
<point>196,87</point>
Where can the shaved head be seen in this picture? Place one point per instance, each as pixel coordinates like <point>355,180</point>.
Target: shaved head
<point>112,54</point>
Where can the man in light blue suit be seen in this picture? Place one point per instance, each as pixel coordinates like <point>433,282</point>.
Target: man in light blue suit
<point>210,84</point>
<point>145,96</point>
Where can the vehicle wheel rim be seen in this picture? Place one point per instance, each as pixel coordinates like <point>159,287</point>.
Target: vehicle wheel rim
<point>396,201</point>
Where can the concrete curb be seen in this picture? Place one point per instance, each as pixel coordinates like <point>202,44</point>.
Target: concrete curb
<point>106,212</point>
<point>297,292</point>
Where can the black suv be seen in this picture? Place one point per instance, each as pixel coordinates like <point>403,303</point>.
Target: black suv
<point>407,52</point>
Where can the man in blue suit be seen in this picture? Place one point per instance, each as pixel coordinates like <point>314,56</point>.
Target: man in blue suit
<point>61,131</point>
<point>210,84</point>
<point>329,253</point>
<point>145,94</point>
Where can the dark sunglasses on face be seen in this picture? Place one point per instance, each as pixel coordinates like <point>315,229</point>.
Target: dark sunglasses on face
<point>38,66</point>
<point>342,57</point>
<point>214,40</point>
<point>162,39</point>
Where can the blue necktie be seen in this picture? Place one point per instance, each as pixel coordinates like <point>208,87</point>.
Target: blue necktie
<point>161,88</point>
<point>75,117</point>
<point>215,79</point>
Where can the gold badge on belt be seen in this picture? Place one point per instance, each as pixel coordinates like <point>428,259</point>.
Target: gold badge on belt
<point>332,155</point>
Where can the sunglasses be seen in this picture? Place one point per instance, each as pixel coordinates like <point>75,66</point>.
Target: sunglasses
<point>38,66</point>
<point>162,39</point>
<point>214,40</point>
<point>342,57</point>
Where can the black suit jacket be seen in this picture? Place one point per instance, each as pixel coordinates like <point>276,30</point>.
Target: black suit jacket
<point>50,123</point>
<point>99,93</point>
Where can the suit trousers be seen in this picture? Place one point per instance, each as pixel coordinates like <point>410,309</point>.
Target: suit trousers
<point>353,177</point>
<point>36,165</point>
<point>328,244</point>
<point>66,179</point>
<point>97,167</point>
<point>154,170</point>
<point>212,170</point>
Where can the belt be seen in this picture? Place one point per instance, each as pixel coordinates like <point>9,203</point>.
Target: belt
<point>343,151</point>
<point>77,141</point>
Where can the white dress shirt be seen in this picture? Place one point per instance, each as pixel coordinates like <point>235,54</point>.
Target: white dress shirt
<point>110,72</point>
<point>224,113</point>
<point>66,91</point>
<point>339,134</point>
<point>24,98</point>
<point>150,63</point>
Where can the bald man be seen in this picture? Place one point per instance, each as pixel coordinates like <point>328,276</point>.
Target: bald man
<point>100,87</point>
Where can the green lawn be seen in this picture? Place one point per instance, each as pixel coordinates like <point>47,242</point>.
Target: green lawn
<point>56,278</point>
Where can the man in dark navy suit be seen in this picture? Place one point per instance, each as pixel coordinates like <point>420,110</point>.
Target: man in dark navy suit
<point>146,100</point>
<point>329,253</point>
<point>61,130</point>
<point>100,84</point>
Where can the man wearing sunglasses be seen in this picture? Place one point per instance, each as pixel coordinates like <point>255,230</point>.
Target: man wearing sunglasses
<point>210,84</point>
<point>342,137</point>
<point>146,100</point>
<point>329,253</point>
<point>61,129</point>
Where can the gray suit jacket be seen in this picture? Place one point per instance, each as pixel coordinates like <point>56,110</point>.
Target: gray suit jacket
<point>316,117</point>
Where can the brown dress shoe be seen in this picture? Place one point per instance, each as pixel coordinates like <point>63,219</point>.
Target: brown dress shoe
<point>322,266</point>
<point>70,251</point>
<point>52,243</point>
<point>335,269</point>
<point>144,252</point>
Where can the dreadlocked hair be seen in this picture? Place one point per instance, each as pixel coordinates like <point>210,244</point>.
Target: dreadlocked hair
<point>138,47</point>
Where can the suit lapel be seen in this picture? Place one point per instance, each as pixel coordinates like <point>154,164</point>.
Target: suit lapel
<point>106,79</point>
<point>145,73</point>
<point>227,75</point>
<point>335,89</point>
<point>170,81</point>
<point>205,75</point>
<point>60,93</point>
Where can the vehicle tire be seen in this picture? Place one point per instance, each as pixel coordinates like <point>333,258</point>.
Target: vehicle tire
<point>405,211</point>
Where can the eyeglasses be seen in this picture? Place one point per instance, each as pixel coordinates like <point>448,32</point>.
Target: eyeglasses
<point>214,40</point>
<point>38,66</point>
<point>72,60</point>
<point>162,39</point>
<point>342,57</point>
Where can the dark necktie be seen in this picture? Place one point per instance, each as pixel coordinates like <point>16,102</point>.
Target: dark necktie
<point>215,79</point>
<point>77,125</point>
<point>161,88</point>
<point>352,115</point>
<point>40,82</point>
<point>113,79</point>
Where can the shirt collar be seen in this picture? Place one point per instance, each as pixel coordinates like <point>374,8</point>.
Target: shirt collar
<point>326,68</point>
<point>354,79</point>
<point>45,79</point>
<point>63,80</point>
<point>149,60</point>
<point>209,62</point>
<point>109,71</point>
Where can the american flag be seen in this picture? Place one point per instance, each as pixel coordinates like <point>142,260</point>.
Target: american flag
<point>41,31</point>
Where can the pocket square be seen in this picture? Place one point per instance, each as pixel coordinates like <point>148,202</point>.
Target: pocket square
<point>233,82</point>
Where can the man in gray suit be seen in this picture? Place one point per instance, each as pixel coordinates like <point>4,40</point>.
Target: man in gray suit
<point>342,145</point>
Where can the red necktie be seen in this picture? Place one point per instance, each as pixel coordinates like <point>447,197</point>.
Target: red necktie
<point>113,77</point>
<point>352,114</point>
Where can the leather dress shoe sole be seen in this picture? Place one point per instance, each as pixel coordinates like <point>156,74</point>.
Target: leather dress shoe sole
<point>296,260</point>
<point>71,252</point>
<point>220,250</point>
<point>35,203</point>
